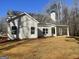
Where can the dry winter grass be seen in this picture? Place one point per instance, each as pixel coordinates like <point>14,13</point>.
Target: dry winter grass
<point>44,48</point>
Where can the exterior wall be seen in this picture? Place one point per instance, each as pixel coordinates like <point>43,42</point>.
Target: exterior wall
<point>32,23</point>
<point>15,22</point>
<point>23,29</point>
<point>24,25</point>
<point>9,32</point>
<point>27,23</point>
<point>40,31</point>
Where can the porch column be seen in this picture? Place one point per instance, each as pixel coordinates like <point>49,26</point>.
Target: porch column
<point>55,31</point>
<point>68,31</point>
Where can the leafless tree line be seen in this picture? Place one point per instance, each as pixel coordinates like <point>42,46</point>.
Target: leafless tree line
<point>3,25</point>
<point>67,15</point>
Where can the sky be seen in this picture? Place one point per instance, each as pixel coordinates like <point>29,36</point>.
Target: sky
<point>34,6</point>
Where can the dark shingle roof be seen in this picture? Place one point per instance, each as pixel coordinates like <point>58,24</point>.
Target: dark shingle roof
<point>42,18</point>
<point>39,17</point>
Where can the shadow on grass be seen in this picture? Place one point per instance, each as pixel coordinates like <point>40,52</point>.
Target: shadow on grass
<point>76,58</point>
<point>70,37</point>
<point>45,37</point>
<point>76,38</point>
<point>14,43</point>
<point>10,45</point>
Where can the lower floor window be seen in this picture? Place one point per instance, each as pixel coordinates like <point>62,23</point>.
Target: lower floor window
<point>45,31</point>
<point>32,30</point>
<point>14,30</point>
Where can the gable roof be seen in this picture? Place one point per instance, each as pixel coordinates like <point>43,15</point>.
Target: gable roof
<point>39,18</point>
<point>9,19</point>
<point>30,17</point>
<point>42,18</point>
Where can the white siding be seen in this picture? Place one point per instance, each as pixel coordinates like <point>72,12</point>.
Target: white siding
<point>24,29</point>
<point>9,29</point>
<point>40,31</point>
<point>32,23</point>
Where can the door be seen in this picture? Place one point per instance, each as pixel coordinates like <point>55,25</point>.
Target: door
<point>53,30</point>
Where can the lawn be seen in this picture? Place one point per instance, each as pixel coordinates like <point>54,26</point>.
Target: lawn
<point>43,48</point>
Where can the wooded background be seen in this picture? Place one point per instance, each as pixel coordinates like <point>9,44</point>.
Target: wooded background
<point>66,15</point>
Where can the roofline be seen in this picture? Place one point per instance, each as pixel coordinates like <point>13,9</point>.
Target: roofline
<point>14,17</point>
<point>61,25</point>
<point>31,17</point>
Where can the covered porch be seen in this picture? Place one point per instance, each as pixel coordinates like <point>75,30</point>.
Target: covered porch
<point>59,30</point>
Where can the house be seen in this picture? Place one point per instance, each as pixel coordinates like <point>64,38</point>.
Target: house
<point>22,25</point>
<point>47,26</point>
<point>44,25</point>
<point>52,30</point>
<point>44,30</point>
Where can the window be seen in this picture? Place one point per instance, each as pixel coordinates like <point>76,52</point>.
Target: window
<point>32,30</point>
<point>14,30</point>
<point>45,31</point>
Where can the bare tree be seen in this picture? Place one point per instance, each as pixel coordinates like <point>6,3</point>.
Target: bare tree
<point>66,15</point>
<point>3,25</point>
<point>74,20</point>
